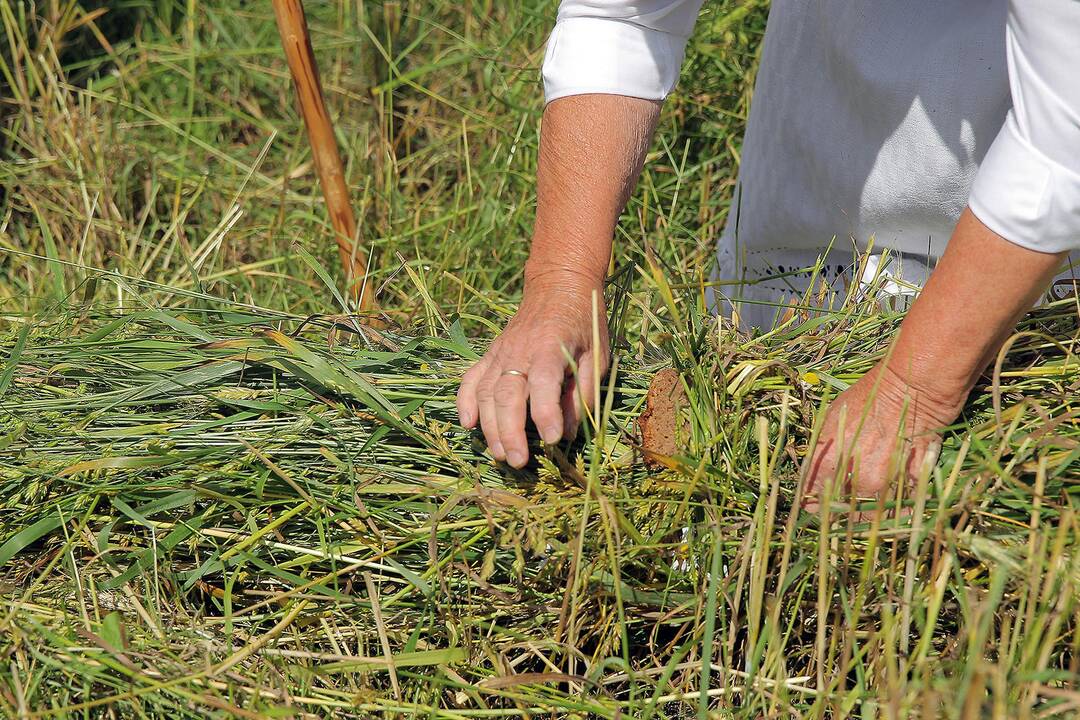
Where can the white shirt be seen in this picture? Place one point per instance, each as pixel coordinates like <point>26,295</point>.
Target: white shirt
<point>869,120</point>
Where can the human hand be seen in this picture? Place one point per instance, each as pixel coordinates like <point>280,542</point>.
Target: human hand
<point>981,286</point>
<point>529,366</point>
<point>889,427</point>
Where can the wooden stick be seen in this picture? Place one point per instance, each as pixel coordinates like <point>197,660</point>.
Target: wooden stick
<point>324,149</point>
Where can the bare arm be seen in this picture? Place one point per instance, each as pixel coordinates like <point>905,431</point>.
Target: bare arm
<point>1028,190</point>
<point>970,305</point>
<point>968,308</point>
<point>592,148</point>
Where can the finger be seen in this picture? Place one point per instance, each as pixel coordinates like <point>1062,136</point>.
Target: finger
<point>822,470</point>
<point>824,458</point>
<point>467,404</point>
<point>511,393</point>
<point>920,462</point>
<point>576,401</point>
<point>546,375</point>
<point>580,391</point>
<point>580,396</point>
<point>586,380</point>
<point>922,459</point>
<point>485,397</point>
<point>570,404</point>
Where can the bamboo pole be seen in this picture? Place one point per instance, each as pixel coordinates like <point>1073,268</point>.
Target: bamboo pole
<point>324,149</point>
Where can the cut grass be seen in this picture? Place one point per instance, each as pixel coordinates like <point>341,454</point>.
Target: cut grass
<point>208,511</point>
<point>222,500</point>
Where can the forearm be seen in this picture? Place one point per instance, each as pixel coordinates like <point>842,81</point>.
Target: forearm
<point>592,148</point>
<point>982,285</point>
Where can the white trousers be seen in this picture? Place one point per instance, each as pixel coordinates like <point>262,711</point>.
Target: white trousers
<point>868,124</point>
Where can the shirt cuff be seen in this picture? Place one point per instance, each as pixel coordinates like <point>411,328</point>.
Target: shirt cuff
<point>1025,197</point>
<point>610,56</point>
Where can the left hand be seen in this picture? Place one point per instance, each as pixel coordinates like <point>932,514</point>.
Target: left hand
<point>889,426</point>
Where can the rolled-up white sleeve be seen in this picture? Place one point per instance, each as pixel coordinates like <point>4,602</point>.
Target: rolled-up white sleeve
<point>618,47</point>
<point>1028,187</point>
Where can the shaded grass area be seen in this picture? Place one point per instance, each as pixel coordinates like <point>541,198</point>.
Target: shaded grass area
<point>225,497</point>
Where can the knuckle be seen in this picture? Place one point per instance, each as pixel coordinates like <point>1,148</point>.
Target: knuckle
<point>479,367</point>
<point>505,399</point>
<point>508,385</point>
<point>484,392</point>
<point>557,355</point>
<point>546,373</point>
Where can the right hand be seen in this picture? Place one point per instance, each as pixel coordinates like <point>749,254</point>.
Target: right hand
<point>553,326</point>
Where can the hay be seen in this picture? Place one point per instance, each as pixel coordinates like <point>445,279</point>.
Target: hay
<point>204,510</point>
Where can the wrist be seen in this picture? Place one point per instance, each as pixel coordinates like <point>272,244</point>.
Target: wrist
<point>938,395</point>
<point>547,278</point>
<point>934,361</point>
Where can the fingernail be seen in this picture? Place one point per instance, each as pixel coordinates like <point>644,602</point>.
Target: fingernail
<point>466,419</point>
<point>497,452</point>
<point>517,458</point>
<point>551,434</point>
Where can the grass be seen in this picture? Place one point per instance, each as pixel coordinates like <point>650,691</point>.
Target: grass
<point>222,498</point>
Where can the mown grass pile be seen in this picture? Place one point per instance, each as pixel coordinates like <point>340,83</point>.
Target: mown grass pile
<point>224,496</point>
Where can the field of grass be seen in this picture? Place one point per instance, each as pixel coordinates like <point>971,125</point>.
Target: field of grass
<point>223,497</point>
